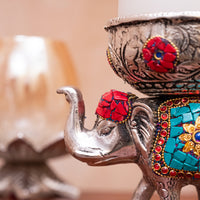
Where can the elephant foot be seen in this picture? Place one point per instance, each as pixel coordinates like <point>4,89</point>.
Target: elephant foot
<point>33,181</point>
<point>144,191</point>
<point>169,190</point>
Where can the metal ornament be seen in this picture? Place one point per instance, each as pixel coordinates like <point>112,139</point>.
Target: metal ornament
<point>158,55</point>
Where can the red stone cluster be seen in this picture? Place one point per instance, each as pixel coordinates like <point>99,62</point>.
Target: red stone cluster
<point>160,54</point>
<point>114,106</point>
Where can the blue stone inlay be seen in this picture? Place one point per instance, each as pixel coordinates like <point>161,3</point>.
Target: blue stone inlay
<point>158,54</point>
<point>167,158</point>
<point>195,115</point>
<point>179,155</point>
<point>176,121</point>
<point>177,140</point>
<point>189,167</point>
<point>197,136</point>
<point>181,85</point>
<point>191,85</point>
<point>176,164</point>
<point>180,146</point>
<point>174,156</point>
<point>187,117</point>
<point>195,107</point>
<point>176,131</point>
<point>191,160</point>
<point>170,145</point>
<point>175,112</point>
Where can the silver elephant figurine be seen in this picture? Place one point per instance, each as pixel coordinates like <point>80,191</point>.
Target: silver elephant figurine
<point>145,131</point>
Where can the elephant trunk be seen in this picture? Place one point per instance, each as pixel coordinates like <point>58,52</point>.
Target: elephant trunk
<point>80,142</point>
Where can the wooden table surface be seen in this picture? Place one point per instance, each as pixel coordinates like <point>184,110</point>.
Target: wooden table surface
<point>110,196</point>
<point>120,196</point>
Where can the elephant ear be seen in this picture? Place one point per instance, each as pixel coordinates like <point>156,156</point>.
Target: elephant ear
<point>142,126</point>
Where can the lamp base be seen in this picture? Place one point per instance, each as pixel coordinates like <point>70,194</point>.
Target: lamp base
<point>32,181</point>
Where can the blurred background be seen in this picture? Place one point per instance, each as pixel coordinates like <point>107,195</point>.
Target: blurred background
<point>80,24</point>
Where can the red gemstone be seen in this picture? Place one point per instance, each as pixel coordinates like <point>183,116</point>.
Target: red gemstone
<point>161,141</point>
<point>169,48</point>
<point>164,116</point>
<point>181,175</point>
<point>166,64</point>
<point>104,104</point>
<point>156,67</point>
<point>161,46</point>
<point>151,43</point>
<point>169,57</point>
<point>120,95</point>
<point>163,108</point>
<point>197,175</point>
<point>106,113</point>
<point>103,112</point>
<point>108,96</point>
<point>116,117</point>
<point>157,40</point>
<point>147,54</point>
<point>157,166</point>
<point>163,133</point>
<point>177,101</point>
<point>113,105</point>
<point>126,105</point>
<point>164,124</point>
<point>120,109</point>
<point>169,103</point>
<point>157,157</point>
<point>164,170</point>
<point>158,149</point>
<point>172,173</point>
<point>185,100</point>
<point>189,175</point>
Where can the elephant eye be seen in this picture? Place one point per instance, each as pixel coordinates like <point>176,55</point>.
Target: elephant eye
<point>106,131</point>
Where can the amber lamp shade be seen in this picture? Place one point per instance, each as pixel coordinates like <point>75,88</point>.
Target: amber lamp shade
<point>31,69</point>
<point>32,116</point>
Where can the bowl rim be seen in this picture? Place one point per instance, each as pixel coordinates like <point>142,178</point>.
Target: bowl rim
<point>152,16</point>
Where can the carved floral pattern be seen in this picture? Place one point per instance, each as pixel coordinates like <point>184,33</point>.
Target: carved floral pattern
<point>191,137</point>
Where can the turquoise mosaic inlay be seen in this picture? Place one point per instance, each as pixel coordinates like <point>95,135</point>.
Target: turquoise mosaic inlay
<point>179,138</point>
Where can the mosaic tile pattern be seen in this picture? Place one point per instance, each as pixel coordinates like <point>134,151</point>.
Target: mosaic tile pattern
<point>176,151</point>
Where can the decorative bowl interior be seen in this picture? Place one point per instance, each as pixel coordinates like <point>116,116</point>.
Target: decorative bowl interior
<point>157,54</point>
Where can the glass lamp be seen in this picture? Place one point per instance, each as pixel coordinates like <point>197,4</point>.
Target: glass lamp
<point>32,115</point>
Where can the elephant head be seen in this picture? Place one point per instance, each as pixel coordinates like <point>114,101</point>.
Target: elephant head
<point>123,129</point>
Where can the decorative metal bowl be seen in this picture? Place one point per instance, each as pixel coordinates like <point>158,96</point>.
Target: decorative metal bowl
<point>157,54</point>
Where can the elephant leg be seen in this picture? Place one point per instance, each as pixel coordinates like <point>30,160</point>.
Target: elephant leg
<point>169,190</point>
<point>198,191</point>
<point>144,191</point>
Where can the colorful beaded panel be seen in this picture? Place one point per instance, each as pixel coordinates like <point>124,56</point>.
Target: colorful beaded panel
<point>176,151</point>
<point>160,55</point>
